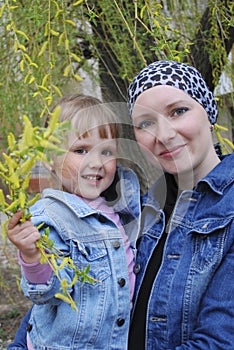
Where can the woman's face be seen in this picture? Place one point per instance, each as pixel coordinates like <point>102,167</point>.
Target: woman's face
<point>174,131</point>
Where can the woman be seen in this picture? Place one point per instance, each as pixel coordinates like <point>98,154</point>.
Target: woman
<point>184,296</point>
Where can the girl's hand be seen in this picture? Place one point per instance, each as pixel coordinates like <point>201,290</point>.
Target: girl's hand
<point>24,236</point>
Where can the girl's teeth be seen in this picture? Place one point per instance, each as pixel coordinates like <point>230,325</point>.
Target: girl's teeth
<point>91,177</point>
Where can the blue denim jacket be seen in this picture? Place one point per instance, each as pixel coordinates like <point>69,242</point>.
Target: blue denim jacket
<point>103,316</point>
<point>191,305</point>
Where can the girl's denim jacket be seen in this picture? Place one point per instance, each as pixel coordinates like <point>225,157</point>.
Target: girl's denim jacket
<point>191,305</point>
<point>90,238</point>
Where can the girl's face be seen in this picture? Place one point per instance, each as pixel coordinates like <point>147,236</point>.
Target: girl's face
<point>174,131</point>
<point>89,166</point>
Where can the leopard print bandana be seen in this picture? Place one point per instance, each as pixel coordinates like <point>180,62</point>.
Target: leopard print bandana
<point>178,75</point>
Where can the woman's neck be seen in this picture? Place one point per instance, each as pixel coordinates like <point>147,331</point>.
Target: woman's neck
<point>188,180</point>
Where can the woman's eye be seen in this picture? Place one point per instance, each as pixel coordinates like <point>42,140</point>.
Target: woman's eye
<point>80,151</point>
<point>179,111</point>
<point>145,124</point>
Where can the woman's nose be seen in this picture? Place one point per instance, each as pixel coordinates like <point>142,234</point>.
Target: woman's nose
<point>165,130</point>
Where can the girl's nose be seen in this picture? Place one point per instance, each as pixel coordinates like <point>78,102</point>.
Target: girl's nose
<point>95,160</point>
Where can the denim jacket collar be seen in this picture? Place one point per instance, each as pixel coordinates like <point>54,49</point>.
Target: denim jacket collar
<point>217,179</point>
<point>126,203</point>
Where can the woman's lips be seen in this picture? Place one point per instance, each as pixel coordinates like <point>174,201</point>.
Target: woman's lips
<point>172,152</point>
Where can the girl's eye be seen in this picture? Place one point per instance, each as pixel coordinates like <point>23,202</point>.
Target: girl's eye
<point>179,111</point>
<point>107,152</point>
<point>80,151</point>
<point>145,124</point>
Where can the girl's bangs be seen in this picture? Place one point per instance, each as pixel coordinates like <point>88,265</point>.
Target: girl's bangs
<point>96,117</point>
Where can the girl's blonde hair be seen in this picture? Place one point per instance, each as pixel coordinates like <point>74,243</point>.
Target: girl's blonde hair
<point>87,112</point>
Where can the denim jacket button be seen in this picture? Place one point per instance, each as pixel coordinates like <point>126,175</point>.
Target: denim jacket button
<point>116,244</point>
<point>121,282</point>
<point>120,322</point>
<point>136,268</point>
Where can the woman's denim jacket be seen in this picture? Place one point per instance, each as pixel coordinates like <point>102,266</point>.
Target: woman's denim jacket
<point>191,305</point>
<point>103,316</point>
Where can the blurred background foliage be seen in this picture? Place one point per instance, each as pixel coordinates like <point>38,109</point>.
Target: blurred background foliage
<point>49,48</point>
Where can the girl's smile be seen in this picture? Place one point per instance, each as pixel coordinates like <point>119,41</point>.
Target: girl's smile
<point>89,166</point>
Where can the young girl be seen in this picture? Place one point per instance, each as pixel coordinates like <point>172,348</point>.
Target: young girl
<point>89,219</point>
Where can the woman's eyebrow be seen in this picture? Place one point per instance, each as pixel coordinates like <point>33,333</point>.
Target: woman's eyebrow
<point>176,102</point>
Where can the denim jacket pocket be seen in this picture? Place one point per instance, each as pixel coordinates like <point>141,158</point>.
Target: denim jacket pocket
<point>208,249</point>
<point>94,255</point>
